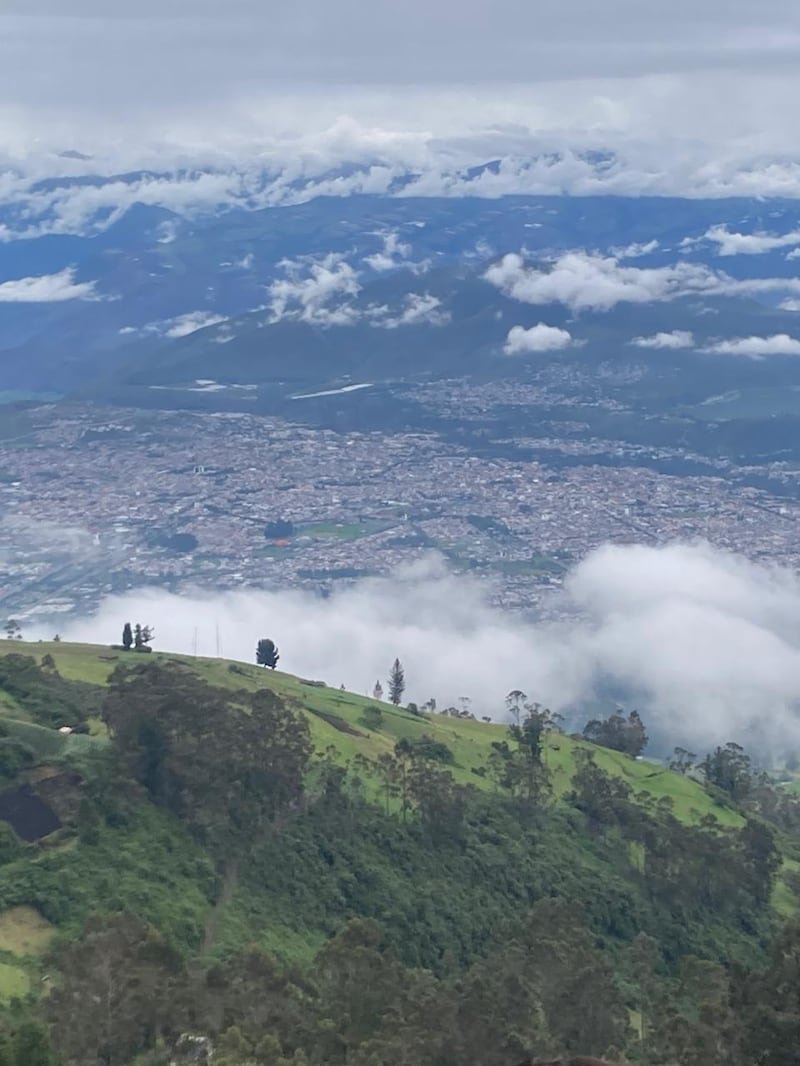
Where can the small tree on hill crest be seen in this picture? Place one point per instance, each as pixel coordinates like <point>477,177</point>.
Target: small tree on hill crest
<point>267,653</point>
<point>127,636</point>
<point>142,636</point>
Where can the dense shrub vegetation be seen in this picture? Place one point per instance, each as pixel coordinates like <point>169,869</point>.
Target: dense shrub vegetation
<point>216,877</point>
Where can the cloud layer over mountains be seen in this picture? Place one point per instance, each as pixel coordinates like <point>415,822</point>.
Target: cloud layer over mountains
<point>568,96</point>
<point>705,643</point>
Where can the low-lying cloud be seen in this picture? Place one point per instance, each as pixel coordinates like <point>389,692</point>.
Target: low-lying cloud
<point>419,309</point>
<point>729,243</point>
<point>47,288</point>
<point>179,326</point>
<point>584,281</point>
<point>308,289</point>
<point>705,643</point>
<point>538,338</point>
<point>675,339</point>
<point>394,255</point>
<point>757,347</point>
<point>323,292</point>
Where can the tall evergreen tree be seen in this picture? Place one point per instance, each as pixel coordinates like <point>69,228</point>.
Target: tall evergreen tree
<point>127,636</point>
<point>397,683</point>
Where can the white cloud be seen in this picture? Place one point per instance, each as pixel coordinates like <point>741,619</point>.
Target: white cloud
<point>585,281</point>
<point>395,253</point>
<point>539,338</point>
<point>706,644</point>
<point>392,255</point>
<point>420,309</point>
<point>322,292</point>
<point>635,251</point>
<point>167,232</point>
<point>183,325</point>
<point>309,287</point>
<point>749,243</point>
<point>179,326</point>
<point>757,347</point>
<point>677,338</point>
<point>48,288</point>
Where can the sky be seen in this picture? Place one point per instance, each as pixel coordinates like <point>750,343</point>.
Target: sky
<point>701,91</point>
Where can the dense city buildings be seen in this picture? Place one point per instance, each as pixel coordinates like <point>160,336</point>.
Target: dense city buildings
<point>99,500</point>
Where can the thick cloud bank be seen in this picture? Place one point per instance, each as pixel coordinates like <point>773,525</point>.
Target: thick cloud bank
<point>706,644</point>
<point>585,281</point>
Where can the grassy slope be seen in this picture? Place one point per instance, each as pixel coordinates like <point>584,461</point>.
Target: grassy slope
<point>469,740</point>
<point>180,897</point>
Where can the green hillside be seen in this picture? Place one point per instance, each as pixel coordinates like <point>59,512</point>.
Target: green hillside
<point>225,809</point>
<point>336,720</point>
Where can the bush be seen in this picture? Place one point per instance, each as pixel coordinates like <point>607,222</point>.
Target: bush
<point>372,718</point>
<point>428,748</point>
<point>14,756</point>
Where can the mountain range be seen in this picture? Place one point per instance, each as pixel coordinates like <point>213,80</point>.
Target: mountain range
<point>245,308</point>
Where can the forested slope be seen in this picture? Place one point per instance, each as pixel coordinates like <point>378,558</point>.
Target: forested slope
<point>300,875</point>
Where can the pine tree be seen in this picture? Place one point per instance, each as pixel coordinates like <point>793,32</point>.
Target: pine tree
<point>397,683</point>
<point>127,636</point>
<point>377,692</point>
<point>267,653</point>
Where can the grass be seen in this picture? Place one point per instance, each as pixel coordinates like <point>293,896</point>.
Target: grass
<point>24,932</point>
<point>14,982</point>
<point>784,901</point>
<point>47,743</point>
<point>469,740</point>
<point>335,531</point>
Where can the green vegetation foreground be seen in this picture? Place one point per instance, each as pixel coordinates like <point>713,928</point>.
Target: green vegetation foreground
<point>240,863</point>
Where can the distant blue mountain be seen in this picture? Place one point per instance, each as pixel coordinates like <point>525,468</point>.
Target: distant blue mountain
<point>153,267</point>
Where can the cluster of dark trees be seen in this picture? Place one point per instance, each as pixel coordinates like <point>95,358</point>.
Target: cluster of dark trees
<point>279,529</point>
<point>547,987</point>
<point>137,637</point>
<point>227,765</point>
<point>619,732</point>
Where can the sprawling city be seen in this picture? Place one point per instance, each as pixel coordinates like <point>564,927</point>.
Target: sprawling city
<point>99,500</point>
